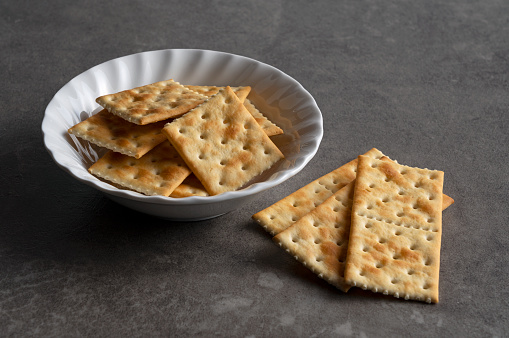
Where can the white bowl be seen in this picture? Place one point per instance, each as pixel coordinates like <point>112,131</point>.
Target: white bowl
<point>281,98</point>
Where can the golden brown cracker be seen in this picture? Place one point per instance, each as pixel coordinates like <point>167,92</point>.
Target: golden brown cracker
<point>159,172</point>
<point>396,228</point>
<point>152,103</point>
<point>222,143</point>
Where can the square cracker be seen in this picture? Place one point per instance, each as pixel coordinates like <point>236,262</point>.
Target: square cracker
<point>112,132</point>
<point>159,172</point>
<point>241,92</point>
<point>152,103</point>
<point>268,127</point>
<point>222,143</point>
<point>396,229</point>
<point>282,214</point>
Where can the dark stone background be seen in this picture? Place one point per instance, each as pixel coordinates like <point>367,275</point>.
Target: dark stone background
<point>426,82</point>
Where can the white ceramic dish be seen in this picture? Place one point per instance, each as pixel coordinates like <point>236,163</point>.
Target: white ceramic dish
<point>281,98</point>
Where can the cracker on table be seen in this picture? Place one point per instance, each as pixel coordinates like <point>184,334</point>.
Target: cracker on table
<point>190,187</point>
<point>282,214</point>
<point>396,228</point>
<point>159,172</point>
<point>112,132</point>
<point>241,92</point>
<point>319,240</point>
<point>152,103</point>
<point>222,143</point>
<point>268,127</point>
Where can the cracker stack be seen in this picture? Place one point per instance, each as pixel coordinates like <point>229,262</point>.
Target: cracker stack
<point>148,153</point>
<point>381,231</point>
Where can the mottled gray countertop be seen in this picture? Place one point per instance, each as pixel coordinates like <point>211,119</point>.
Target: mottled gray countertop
<point>426,82</point>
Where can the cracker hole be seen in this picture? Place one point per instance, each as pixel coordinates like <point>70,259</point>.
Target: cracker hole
<point>394,281</point>
<point>369,207</point>
<point>222,163</point>
<point>317,241</point>
<point>418,184</point>
<point>374,165</point>
<point>368,225</point>
<point>382,240</point>
<point>202,136</point>
<point>426,286</point>
<point>387,179</point>
<point>410,272</point>
<point>372,185</point>
<point>385,199</point>
<point>401,192</point>
<point>266,152</point>
<point>365,249</point>
<point>430,220</point>
<point>335,209</point>
<point>400,214</point>
<point>413,247</point>
<point>362,273</point>
<point>201,156</point>
<point>397,233</point>
<point>109,166</point>
<point>223,141</point>
<point>403,172</point>
<point>221,183</point>
<point>294,219</point>
<point>431,197</point>
<point>319,259</point>
<point>379,265</point>
<point>315,224</point>
<point>415,206</point>
<point>429,237</point>
<point>181,130</point>
<point>427,262</point>
<point>339,243</point>
<point>295,239</point>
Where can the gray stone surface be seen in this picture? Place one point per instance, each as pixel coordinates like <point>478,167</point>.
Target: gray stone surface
<point>424,81</point>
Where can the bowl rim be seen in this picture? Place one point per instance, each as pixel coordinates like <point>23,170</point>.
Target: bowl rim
<point>252,189</point>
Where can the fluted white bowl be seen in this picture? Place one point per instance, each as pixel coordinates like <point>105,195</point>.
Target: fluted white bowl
<point>281,98</point>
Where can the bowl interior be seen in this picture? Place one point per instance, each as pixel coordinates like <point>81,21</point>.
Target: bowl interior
<point>278,96</point>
